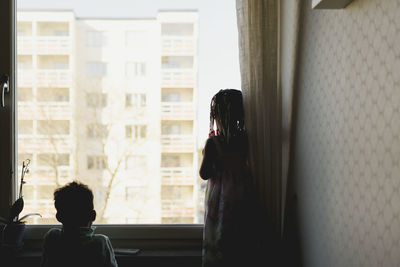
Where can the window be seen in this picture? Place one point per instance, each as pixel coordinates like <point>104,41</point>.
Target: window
<point>96,100</point>
<point>135,100</point>
<point>177,192</point>
<point>95,39</point>
<point>171,97</point>
<point>52,159</point>
<point>97,130</point>
<point>96,69</point>
<point>25,94</point>
<point>53,127</point>
<point>171,129</point>
<point>53,94</point>
<point>170,161</point>
<point>25,127</point>
<point>74,90</point>
<point>60,65</point>
<point>96,162</point>
<point>135,69</point>
<point>136,131</point>
<point>177,29</point>
<point>177,62</point>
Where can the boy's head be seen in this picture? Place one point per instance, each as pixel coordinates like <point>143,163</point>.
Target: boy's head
<point>74,205</point>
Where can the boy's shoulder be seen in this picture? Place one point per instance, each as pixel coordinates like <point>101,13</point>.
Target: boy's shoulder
<point>100,238</point>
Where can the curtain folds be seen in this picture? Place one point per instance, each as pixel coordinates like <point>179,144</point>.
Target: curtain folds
<point>268,44</point>
<point>258,46</point>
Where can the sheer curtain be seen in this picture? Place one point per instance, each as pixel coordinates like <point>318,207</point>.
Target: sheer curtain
<point>268,43</point>
<point>258,46</point>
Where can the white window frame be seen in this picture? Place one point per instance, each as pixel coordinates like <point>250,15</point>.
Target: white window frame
<point>160,236</point>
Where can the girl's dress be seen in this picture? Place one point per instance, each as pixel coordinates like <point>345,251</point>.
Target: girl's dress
<point>229,233</point>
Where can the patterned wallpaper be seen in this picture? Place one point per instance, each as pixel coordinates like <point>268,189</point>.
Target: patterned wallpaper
<point>347,153</point>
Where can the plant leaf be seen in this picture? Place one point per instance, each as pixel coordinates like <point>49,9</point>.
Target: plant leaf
<point>16,209</point>
<point>30,214</point>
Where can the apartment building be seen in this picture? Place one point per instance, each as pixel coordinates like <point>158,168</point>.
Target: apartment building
<point>112,103</point>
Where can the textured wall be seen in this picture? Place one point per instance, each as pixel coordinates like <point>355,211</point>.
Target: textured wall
<point>347,153</point>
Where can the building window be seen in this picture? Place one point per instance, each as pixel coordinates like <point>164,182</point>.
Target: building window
<point>171,97</point>
<point>135,162</point>
<point>177,29</point>
<point>181,192</point>
<point>135,131</point>
<point>171,129</point>
<point>25,94</point>
<point>96,130</point>
<point>96,69</point>
<point>170,161</point>
<point>61,65</point>
<point>177,62</point>
<point>53,127</point>
<point>96,100</point>
<point>96,162</point>
<point>135,69</point>
<point>95,39</point>
<point>135,100</point>
<point>53,94</point>
<point>25,127</point>
<point>53,159</point>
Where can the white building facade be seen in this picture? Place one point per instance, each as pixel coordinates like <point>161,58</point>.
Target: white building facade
<point>111,103</point>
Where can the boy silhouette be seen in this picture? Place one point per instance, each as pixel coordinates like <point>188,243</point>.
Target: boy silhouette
<point>75,244</point>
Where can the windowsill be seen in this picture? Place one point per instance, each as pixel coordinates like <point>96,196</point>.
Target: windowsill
<point>145,236</point>
<point>146,257</point>
<point>160,245</point>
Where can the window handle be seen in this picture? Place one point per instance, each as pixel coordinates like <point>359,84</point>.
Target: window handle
<point>5,88</point>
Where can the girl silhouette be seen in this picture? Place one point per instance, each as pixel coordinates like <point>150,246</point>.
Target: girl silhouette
<point>228,238</point>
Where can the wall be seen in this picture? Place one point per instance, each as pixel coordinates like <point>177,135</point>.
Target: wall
<point>347,146</point>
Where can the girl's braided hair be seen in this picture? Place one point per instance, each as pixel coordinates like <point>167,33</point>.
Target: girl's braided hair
<point>227,109</point>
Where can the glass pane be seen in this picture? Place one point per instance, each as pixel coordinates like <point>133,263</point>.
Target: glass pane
<point>111,96</point>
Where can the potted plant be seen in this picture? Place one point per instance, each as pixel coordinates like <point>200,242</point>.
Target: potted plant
<point>14,229</point>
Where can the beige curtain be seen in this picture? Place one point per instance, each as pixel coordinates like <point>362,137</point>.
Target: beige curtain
<point>268,43</point>
<point>258,46</point>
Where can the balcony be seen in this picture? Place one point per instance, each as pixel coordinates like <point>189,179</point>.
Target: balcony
<point>177,208</point>
<point>26,78</point>
<point>178,46</point>
<point>178,78</point>
<point>27,111</point>
<point>53,45</point>
<point>62,143</point>
<point>177,111</point>
<point>45,45</point>
<point>25,45</point>
<point>177,143</point>
<point>54,78</point>
<point>47,176</point>
<point>177,176</point>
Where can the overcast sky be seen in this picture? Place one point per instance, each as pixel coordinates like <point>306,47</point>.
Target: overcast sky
<point>218,43</point>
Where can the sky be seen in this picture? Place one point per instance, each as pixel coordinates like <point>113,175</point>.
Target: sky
<point>218,41</point>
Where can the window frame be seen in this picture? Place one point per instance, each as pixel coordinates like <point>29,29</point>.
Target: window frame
<point>147,236</point>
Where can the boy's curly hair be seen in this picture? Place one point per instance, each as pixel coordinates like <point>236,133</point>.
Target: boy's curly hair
<point>73,203</point>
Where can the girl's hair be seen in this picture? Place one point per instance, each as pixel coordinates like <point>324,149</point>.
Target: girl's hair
<point>227,109</point>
